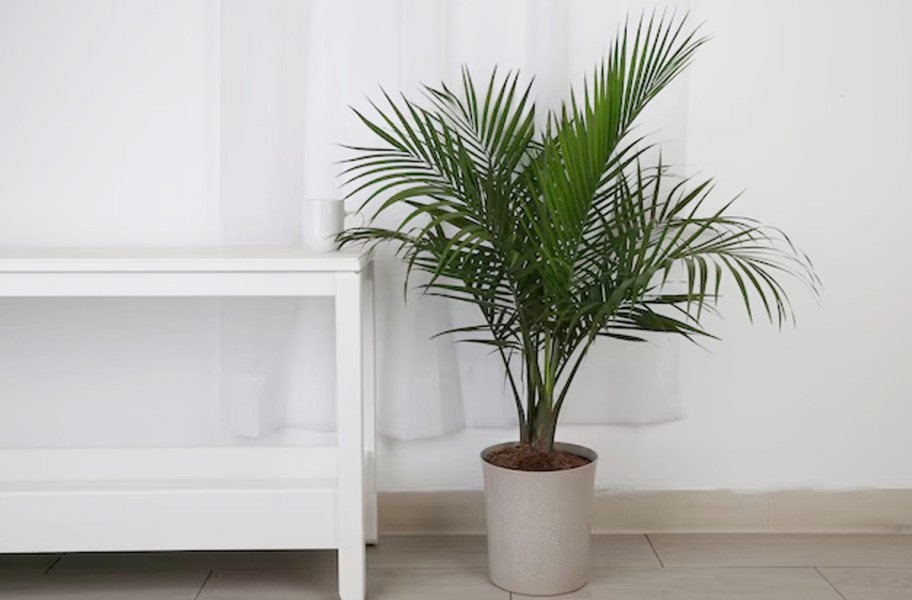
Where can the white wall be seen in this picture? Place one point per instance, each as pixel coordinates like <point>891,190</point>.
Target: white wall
<point>109,135</point>
<point>207,121</point>
<point>805,104</point>
<point>108,130</point>
<point>113,123</point>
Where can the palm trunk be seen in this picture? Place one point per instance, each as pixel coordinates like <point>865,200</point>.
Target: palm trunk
<point>543,439</point>
<point>542,417</point>
<point>543,429</point>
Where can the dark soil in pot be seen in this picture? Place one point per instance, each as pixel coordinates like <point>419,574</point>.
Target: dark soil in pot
<point>523,457</point>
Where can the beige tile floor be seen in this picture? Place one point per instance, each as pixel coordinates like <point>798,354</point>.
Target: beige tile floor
<point>625,567</point>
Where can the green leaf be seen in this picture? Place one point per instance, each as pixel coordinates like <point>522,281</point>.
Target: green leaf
<point>564,234</point>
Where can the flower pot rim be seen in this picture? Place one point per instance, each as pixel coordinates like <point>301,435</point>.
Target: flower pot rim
<point>577,449</point>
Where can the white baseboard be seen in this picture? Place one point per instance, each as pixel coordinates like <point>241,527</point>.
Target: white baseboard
<point>798,511</point>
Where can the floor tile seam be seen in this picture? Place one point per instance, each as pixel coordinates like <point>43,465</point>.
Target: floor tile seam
<point>461,569</point>
<point>187,570</point>
<point>476,569</point>
<point>605,569</point>
<point>907,567</point>
<point>799,566</point>
<point>53,564</point>
<point>654,551</point>
<point>137,572</point>
<point>830,583</point>
<point>202,587</point>
<point>710,568</point>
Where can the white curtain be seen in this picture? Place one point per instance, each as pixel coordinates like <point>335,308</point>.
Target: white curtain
<point>326,56</point>
<point>192,122</point>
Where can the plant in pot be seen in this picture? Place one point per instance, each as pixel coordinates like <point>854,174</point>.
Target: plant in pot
<point>561,231</point>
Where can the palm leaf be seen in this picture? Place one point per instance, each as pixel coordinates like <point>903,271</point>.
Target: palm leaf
<point>564,235</point>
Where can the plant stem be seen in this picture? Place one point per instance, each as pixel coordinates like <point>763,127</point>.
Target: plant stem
<point>544,431</point>
<point>516,397</point>
<point>569,380</point>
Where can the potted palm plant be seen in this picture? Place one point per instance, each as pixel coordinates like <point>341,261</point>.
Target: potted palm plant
<point>561,231</point>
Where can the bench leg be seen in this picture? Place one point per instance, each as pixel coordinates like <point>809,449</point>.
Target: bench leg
<point>350,442</point>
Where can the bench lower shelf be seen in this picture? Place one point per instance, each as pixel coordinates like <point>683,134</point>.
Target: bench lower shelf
<point>116,500</point>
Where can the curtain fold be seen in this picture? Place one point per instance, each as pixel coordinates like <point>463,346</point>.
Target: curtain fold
<point>323,57</point>
<point>199,122</point>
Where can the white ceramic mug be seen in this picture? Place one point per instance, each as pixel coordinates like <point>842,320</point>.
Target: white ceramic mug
<point>321,221</point>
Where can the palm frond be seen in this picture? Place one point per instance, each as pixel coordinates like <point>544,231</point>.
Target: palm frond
<point>564,235</point>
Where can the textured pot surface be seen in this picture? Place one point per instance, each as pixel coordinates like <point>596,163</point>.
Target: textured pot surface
<point>539,525</point>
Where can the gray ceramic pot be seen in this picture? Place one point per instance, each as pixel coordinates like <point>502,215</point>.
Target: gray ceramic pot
<point>539,525</point>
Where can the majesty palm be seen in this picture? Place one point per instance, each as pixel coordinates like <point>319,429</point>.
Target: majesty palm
<point>564,233</point>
